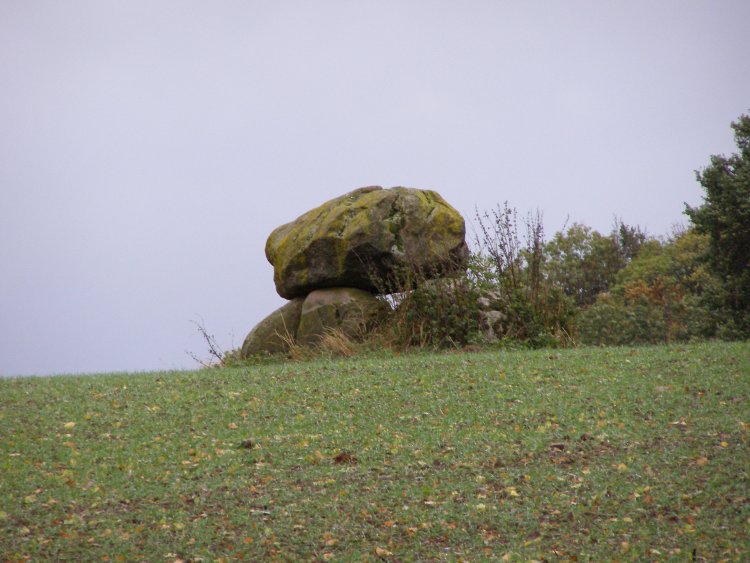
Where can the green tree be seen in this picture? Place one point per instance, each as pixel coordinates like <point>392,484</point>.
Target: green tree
<point>584,263</point>
<point>725,217</point>
<point>664,294</point>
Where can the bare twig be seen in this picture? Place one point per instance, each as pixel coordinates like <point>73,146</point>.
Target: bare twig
<point>214,350</point>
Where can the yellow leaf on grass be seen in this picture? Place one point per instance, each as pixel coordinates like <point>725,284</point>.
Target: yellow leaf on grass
<point>69,425</point>
<point>380,552</point>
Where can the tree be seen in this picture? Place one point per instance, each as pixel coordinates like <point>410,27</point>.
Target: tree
<point>584,263</point>
<point>725,217</point>
<point>664,294</point>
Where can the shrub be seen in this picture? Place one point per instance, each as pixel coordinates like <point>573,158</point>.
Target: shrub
<point>538,312</point>
<point>613,323</point>
<point>436,313</point>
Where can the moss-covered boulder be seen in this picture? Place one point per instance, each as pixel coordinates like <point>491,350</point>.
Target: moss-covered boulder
<point>354,312</point>
<point>366,237</point>
<point>273,334</point>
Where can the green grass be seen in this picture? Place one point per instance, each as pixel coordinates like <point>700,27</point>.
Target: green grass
<point>594,454</point>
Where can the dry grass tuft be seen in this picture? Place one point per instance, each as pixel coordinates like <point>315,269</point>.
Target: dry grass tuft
<point>337,343</point>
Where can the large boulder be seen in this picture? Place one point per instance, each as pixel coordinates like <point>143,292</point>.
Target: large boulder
<point>354,312</point>
<point>305,321</point>
<point>275,333</point>
<point>364,239</point>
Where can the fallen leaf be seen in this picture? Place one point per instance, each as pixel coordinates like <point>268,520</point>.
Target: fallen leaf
<point>69,425</point>
<point>380,552</point>
<point>701,461</point>
<point>345,457</point>
<point>232,426</point>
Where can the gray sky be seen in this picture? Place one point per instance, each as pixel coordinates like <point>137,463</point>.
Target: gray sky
<point>147,149</point>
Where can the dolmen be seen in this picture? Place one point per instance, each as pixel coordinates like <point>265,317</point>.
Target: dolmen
<point>332,262</point>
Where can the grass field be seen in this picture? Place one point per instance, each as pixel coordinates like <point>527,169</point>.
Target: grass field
<point>581,454</point>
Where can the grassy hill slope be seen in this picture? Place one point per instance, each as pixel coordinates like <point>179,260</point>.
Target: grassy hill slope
<point>593,453</point>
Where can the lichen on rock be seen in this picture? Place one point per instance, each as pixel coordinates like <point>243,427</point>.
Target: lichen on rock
<point>365,237</point>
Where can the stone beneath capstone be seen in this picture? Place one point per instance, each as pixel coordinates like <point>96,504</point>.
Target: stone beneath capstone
<point>305,321</point>
<point>354,312</point>
<point>365,239</point>
<point>274,334</point>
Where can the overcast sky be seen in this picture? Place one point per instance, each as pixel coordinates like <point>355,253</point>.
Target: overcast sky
<point>148,148</point>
